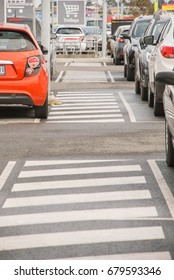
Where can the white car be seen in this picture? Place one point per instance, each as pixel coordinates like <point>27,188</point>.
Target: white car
<point>70,39</point>
<point>161,59</point>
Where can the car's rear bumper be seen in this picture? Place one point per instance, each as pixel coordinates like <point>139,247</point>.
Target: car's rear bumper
<point>28,91</point>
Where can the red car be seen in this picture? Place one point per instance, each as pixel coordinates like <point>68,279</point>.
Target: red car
<point>23,72</point>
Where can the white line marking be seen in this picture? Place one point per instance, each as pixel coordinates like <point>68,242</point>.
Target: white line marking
<point>81,215</point>
<point>85,94</point>
<point>70,112</point>
<point>126,104</point>
<point>98,116</point>
<point>80,170</point>
<point>111,77</point>
<point>80,237</point>
<point>83,81</point>
<point>89,121</point>
<point>75,161</point>
<point>6,172</point>
<point>64,107</point>
<point>74,198</point>
<point>66,64</point>
<point>82,183</point>
<point>104,64</point>
<point>163,186</point>
<point>59,77</point>
<point>94,97</point>
<point>86,64</point>
<point>133,256</point>
<point>91,103</point>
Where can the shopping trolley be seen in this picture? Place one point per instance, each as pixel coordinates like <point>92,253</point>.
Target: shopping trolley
<point>71,10</point>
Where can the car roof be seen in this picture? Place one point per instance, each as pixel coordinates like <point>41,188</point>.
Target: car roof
<point>143,18</point>
<point>14,26</point>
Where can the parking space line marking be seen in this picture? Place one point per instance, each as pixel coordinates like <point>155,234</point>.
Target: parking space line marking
<point>163,186</point>
<point>133,256</point>
<point>111,214</point>
<point>126,104</point>
<point>59,77</point>
<point>110,76</point>
<point>6,172</point>
<point>81,237</point>
<point>80,183</point>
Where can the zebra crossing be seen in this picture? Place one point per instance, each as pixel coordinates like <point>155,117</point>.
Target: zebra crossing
<point>75,204</point>
<point>86,107</point>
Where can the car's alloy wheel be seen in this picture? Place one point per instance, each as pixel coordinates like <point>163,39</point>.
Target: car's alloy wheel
<point>169,146</point>
<point>41,112</point>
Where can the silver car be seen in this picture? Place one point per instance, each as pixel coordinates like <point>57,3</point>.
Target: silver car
<point>70,39</point>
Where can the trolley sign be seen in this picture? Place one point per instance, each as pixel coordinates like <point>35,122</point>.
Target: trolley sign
<point>19,8</point>
<point>71,12</point>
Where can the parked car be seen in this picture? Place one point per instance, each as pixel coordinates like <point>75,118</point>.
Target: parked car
<point>93,38</point>
<point>136,31</point>
<point>167,78</point>
<point>142,54</point>
<point>161,59</point>
<point>23,72</point>
<point>70,39</point>
<point>118,44</point>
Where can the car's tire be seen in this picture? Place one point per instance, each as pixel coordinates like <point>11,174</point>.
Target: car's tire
<point>150,97</point>
<point>143,93</point>
<point>158,108</point>
<point>125,70</point>
<point>169,147</point>
<point>41,112</point>
<point>137,86</point>
<point>130,75</point>
<point>113,59</point>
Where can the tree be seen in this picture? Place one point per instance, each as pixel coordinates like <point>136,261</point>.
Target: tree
<point>141,7</point>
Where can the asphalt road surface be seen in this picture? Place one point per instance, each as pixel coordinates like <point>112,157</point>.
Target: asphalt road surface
<point>91,181</point>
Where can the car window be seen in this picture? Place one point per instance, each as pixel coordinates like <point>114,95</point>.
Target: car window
<point>165,30</point>
<point>15,41</point>
<point>139,28</point>
<point>157,30</point>
<point>69,31</point>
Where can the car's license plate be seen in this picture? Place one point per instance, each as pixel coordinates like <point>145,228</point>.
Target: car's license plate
<point>2,70</point>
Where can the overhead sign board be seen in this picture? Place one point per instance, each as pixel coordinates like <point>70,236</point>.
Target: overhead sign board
<point>19,8</point>
<point>71,12</point>
<point>2,11</point>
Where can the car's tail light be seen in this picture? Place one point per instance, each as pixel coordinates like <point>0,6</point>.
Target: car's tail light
<point>33,65</point>
<point>120,40</point>
<point>167,51</point>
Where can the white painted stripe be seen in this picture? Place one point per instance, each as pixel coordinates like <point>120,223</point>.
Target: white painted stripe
<point>87,98</point>
<point>80,170</point>
<point>104,64</point>
<point>91,103</point>
<point>66,64</point>
<point>80,237</point>
<point>6,172</point>
<point>165,255</point>
<point>75,198</point>
<point>75,161</point>
<point>111,77</point>
<point>84,81</point>
<point>37,120</point>
<point>59,77</point>
<point>126,104</point>
<point>82,215</point>
<point>72,107</point>
<point>87,92</point>
<point>96,116</point>
<point>84,112</point>
<point>86,64</point>
<point>62,94</point>
<point>89,121</point>
<point>82,183</point>
<point>168,196</point>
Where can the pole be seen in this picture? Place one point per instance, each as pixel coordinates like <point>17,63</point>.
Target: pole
<point>104,28</point>
<point>45,30</point>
